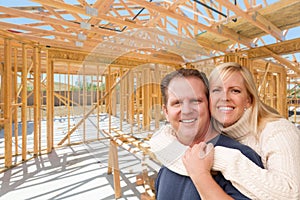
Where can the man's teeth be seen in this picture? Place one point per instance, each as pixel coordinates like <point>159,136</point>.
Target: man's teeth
<point>187,120</point>
<point>225,108</point>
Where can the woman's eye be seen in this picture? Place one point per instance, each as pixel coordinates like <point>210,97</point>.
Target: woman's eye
<point>216,90</point>
<point>236,91</point>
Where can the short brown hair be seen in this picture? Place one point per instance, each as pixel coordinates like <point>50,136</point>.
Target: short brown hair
<point>182,72</point>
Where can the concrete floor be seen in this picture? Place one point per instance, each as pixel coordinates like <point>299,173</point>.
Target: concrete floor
<point>73,172</point>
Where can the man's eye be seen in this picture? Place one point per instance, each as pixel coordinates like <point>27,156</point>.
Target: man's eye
<point>176,103</point>
<point>196,101</point>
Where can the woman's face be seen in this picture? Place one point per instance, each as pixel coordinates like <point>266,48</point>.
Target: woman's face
<point>229,99</point>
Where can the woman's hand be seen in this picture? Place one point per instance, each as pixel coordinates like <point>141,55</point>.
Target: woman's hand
<point>198,160</point>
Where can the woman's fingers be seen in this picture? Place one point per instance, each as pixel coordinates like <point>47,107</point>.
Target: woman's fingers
<point>202,149</point>
<point>205,149</point>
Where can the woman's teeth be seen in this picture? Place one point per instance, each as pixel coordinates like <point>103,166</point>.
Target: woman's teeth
<point>225,108</point>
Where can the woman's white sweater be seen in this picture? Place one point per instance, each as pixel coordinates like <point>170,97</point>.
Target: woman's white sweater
<point>279,148</point>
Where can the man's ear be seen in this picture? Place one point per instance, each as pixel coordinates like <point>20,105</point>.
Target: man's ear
<point>164,107</point>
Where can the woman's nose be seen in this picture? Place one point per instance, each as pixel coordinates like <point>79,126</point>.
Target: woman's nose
<point>225,96</point>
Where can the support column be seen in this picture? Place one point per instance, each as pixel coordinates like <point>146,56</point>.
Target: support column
<point>36,93</point>
<point>113,167</point>
<point>50,105</point>
<point>7,76</point>
<point>24,102</point>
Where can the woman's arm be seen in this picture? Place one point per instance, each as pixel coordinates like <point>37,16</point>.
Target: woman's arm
<point>198,161</point>
<point>280,152</point>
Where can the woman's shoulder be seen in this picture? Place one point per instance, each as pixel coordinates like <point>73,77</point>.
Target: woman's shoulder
<point>280,126</point>
<point>278,136</point>
<point>280,122</point>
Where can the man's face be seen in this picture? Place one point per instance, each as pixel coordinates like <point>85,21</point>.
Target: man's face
<point>187,109</point>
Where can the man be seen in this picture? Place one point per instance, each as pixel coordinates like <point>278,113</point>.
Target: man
<point>185,105</point>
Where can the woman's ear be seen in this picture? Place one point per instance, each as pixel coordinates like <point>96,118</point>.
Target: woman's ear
<point>248,102</point>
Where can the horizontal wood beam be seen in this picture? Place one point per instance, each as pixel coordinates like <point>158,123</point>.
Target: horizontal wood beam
<point>280,48</point>
<point>283,61</point>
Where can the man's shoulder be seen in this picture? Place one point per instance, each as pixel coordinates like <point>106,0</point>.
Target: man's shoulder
<point>231,143</point>
<point>226,141</point>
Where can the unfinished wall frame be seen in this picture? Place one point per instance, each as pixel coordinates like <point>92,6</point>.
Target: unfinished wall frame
<point>270,78</point>
<point>129,93</point>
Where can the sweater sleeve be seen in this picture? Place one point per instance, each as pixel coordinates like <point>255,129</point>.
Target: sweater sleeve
<point>280,152</point>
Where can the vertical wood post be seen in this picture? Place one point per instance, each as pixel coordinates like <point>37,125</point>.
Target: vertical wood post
<point>113,167</point>
<point>50,105</point>
<point>7,76</point>
<point>36,90</point>
<point>24,102</point>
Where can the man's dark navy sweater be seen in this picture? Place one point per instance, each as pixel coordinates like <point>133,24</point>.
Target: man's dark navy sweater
<point>172,186</point>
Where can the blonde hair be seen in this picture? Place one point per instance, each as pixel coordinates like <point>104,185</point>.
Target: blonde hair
<point>261,113</point>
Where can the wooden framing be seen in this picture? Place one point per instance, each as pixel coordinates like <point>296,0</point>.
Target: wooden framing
<point>113,167</point>
<point>132,145</point>
<point>24,102</point>
<point>270,78</point>
<point>7,77</point>
<point>36,101</point>
<point>116,63</point>
<point>50,106</point>
<point>135,90</point>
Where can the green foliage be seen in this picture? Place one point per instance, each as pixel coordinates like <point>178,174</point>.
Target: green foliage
<point>29,88</point>
<point>88,86</point>
<point>294,92</point>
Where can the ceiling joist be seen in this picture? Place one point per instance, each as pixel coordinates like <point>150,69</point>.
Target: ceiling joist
<point>189,28</point>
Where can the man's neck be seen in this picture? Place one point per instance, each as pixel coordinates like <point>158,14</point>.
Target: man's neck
<point>210,134</point>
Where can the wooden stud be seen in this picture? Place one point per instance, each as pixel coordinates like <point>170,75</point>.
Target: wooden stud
<point>138,99</point>
<point>39,65</point>
<point>24,102</point>
<point>121,99</point>
<point>50,104</point>
<point>15,100</point>
<point>131,99</point>
<point>157,101</point>
<point>68,102</point>
<point>36,90</point>
<point>84,93</point>
<point>108,104</point>
<point>113,99</point>
<point>114,167</point>
<point>263,81</point>
<point>7,76</point>
<point>146,99</point>
<point>98,100</point>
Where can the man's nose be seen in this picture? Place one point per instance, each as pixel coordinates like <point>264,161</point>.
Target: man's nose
<point>186,107</point>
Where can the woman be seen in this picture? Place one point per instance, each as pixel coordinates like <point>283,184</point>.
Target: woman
<point>239,113</point>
